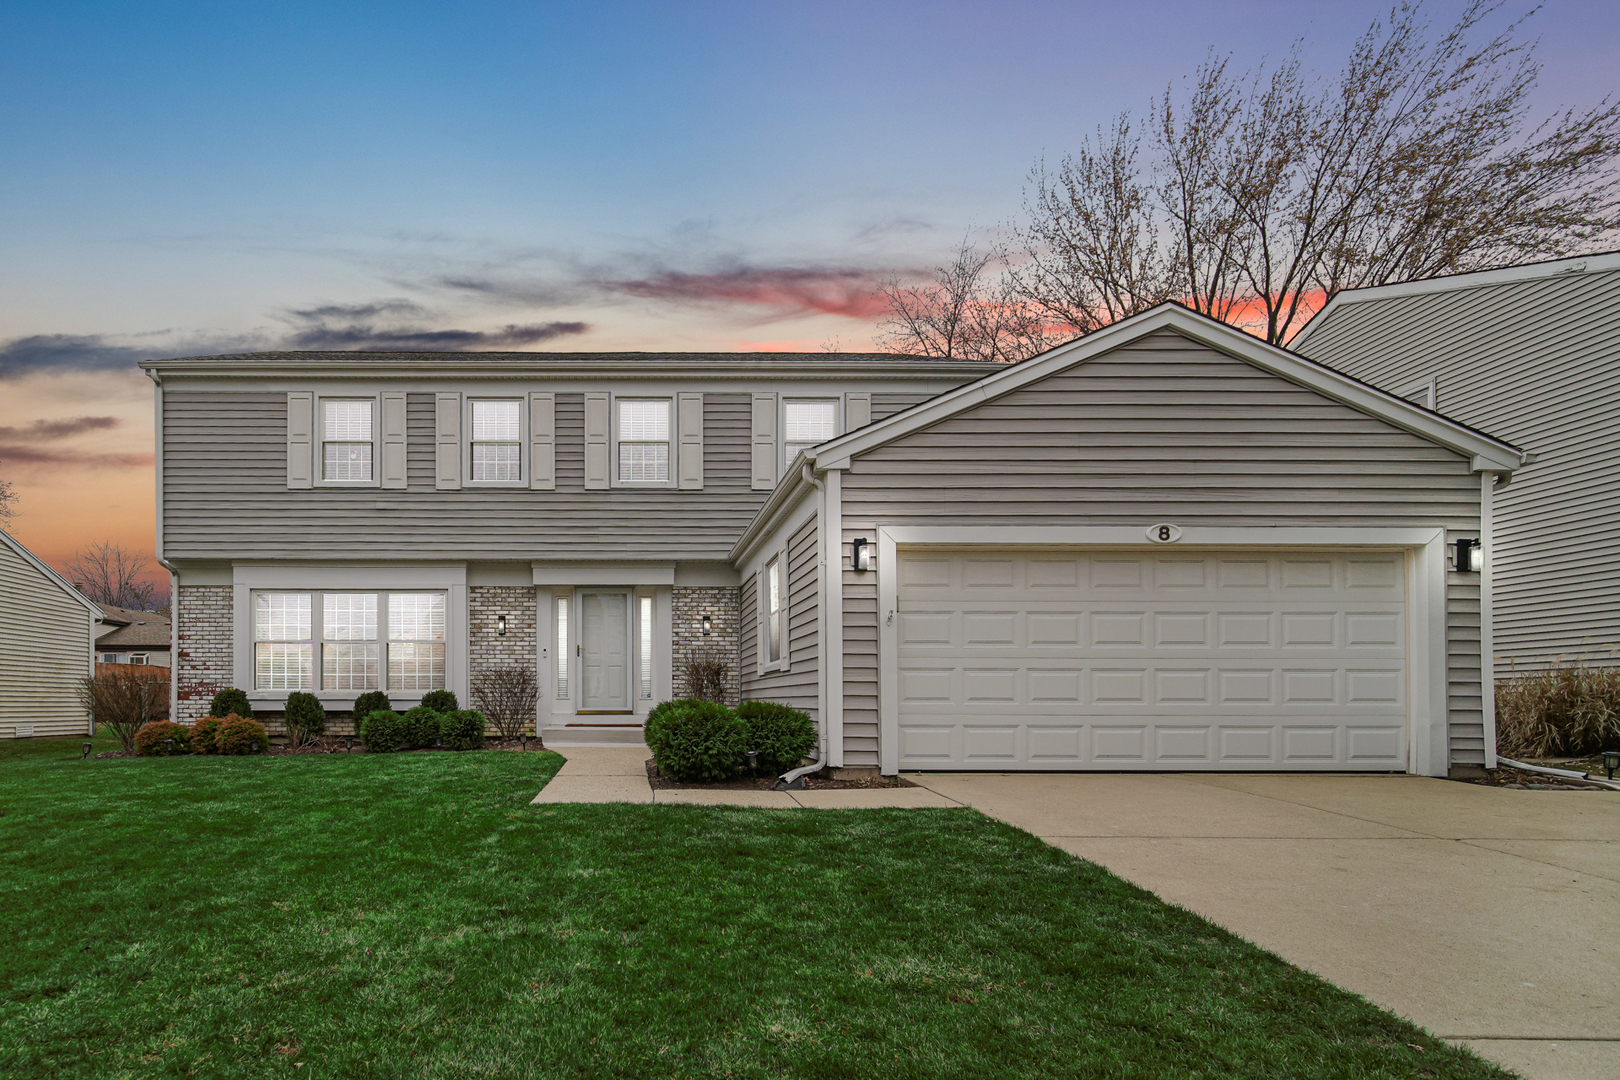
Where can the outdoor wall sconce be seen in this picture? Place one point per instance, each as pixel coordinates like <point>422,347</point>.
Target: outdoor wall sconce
<point>500,626</point>
<point>708,625</point>
<point>862,553</point>
<point>1470,558</point>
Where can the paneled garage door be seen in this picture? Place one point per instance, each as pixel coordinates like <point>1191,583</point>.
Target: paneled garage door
<point>1094,659</point>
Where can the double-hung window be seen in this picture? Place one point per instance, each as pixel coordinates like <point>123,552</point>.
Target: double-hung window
<point>643,433</point>
<point>805,424</point>
<point>346,440</point>
<point>392,641</point>
<point>497,440</point>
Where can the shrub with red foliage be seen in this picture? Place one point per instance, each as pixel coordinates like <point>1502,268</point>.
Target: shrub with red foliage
<point>152,739</point>
<point>239,736</point>
<point>205,735</point>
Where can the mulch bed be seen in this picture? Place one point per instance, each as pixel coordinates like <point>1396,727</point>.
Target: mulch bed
<point>335,744</point>
<point>814,782</point>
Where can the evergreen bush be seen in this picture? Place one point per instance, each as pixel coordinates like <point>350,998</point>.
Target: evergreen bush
<point>441,701</point>
<point>232,702</point>
<point>422,727</point>
<point>463,730</point>
<point>305,718</point>
<point>383,732</point>
<point>784,736</point>
<point>368,703</point>
<point>697,741</point>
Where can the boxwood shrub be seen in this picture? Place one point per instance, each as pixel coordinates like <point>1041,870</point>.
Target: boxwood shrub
<point>463,730</point>
<point>422,726</point>
<point>441,701</point>
<point>239,735</point>
<point>152,739</point>
<point>305,717</point>
<point>696,741</point>
<point>383,732</point>
<point>204,735</point>
<point>368,703</point>
<point>231,702</point>
<point>782,735</point>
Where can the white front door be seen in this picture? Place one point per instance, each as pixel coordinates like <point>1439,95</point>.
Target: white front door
<point>604,647</point>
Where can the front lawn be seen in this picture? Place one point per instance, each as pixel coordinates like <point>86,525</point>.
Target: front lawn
<point>412,915</point>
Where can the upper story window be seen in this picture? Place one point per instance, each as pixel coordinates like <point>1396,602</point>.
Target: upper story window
<point>346,440</point>
<point>643,438</point>
<point>497,440</point>
<point>806,423</point>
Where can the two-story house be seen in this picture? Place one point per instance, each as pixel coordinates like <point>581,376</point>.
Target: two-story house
<point>1164,545</point>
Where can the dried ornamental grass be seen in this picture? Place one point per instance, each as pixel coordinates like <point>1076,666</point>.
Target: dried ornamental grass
<point>1569,709</point>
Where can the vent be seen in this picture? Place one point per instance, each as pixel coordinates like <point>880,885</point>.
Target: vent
<point>25,731</point>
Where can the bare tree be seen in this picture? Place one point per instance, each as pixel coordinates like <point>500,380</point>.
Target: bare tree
<point>8,501</point>
<point>1267,193</point>
<point>126,699</point>
<point>969,311</point>
<point>508,697</point>
<point>110,574</point>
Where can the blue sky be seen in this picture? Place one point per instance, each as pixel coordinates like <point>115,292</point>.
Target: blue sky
<point>184,177</point>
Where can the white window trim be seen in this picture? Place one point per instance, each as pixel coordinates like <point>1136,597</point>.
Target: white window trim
<point>763,576</point>
<point>522,401</point>
<point>782,400</point>
<point>320,440</point>
<point>673,441</point>
<point>317,616</point>
<point>1428,390</point>
<point>145,658</point>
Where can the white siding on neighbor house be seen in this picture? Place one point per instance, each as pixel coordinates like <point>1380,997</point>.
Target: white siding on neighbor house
<point>1535,362</point>
<point>44,651</point>
<point>799,686</point>
<point>1161,429</point>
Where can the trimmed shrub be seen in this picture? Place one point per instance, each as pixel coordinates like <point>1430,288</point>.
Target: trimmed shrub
<point>422,726</point>
<point>697,741</point>
<point>232,702</point>
<point>204,736</point>
<point>240,735</point>
<point>366,704</point>
<point>151,739</point>
<point>660,710</point>
<point>782,735</point>
<point>383,732</point>
<point>463,730</point>
<point>441,701</point>
<point>1570,710</point>
<point>305,718</point>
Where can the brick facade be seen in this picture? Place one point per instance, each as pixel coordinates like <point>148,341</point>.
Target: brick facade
<point>203,664</point>
<point>486,647</point>
<point>720,602</point>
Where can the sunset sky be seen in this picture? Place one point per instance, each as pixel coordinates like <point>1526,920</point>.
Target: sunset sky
<point>185,178</point>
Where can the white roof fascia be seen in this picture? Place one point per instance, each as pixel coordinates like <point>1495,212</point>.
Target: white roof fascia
<point>1485,453</point>
<point>57,579</point>
<point>1576,264</point>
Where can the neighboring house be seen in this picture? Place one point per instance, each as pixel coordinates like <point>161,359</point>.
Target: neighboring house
<point>1166,545</point>
<point>1531,354</point>
<point>127,636</point>
<point>46,632</point>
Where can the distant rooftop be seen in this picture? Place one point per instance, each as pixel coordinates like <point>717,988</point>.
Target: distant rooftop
<point>556,359</point>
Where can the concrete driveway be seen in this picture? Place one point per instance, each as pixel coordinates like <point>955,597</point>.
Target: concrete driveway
<point>1489,916</point>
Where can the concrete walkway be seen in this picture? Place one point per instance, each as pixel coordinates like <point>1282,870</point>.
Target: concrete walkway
<point>1490,917</point>
<point>599,774</point>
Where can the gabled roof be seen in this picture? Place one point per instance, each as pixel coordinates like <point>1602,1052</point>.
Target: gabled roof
<point>144,629</point>
<point>1485,452</point>
<point>1507,275</point>
<point>56,579</point>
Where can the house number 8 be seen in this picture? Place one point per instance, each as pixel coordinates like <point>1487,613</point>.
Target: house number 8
<point>1164,534</point>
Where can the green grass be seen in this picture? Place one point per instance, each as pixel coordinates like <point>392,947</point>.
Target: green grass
<point>411,915</point>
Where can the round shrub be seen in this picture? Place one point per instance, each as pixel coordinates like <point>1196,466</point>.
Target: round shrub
<point>441,701</point>
<point>367,703</point>
<point>152,739</point>
<point>782,735</point>
<point>697,741</point>
<point>422,726</point>
<point>383,732</point>
<point>204,735</point>
<point>230,702</point>
<point>239,735</point>
<point>305,717</point>
<point>463,730</point>
<point>658,711</point>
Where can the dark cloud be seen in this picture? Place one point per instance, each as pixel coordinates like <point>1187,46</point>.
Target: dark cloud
<point>360,311</point>
<point>522,293</point>
<point>786,291</point>
<point>60,429</point>
<point>360,336</point>
<point>879,229</point>
<point>70,352</point>
<point>20,454</point>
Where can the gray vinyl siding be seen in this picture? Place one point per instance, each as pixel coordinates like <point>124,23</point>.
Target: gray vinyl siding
<point>1162,429</point>
<point>799,686</point>
<point>1537,363</point>
<point>44,651</point>
<point>886,405</point>
<point>748,631</point>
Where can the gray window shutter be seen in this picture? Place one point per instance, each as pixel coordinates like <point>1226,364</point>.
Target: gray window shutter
<point>596,441</point>
<point>447,441</point>
<point>393,439</point>
<point>764,471</point>
<point>300,440</point>
<point>543,442</point>
<point>689,425</point>
<point>857,411</point>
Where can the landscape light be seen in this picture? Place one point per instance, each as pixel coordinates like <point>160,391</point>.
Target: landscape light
<point>1611,761</point>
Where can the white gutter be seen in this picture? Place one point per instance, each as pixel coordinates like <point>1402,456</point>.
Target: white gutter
<point>1487,643</point>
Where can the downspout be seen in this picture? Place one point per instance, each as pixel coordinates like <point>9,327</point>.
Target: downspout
<point>1487,643</point>
<point>793,779</point>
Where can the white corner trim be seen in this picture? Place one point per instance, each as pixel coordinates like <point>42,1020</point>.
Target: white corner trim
<point>1487,630</point>
<point>831,615</point>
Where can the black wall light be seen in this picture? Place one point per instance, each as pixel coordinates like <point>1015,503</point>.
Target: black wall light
<point>1470,558</point>
<point>708,625</point>
<point>861,549</point>
<point>500,626</point>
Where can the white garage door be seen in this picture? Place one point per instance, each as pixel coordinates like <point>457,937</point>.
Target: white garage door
<point>1075,659</point>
